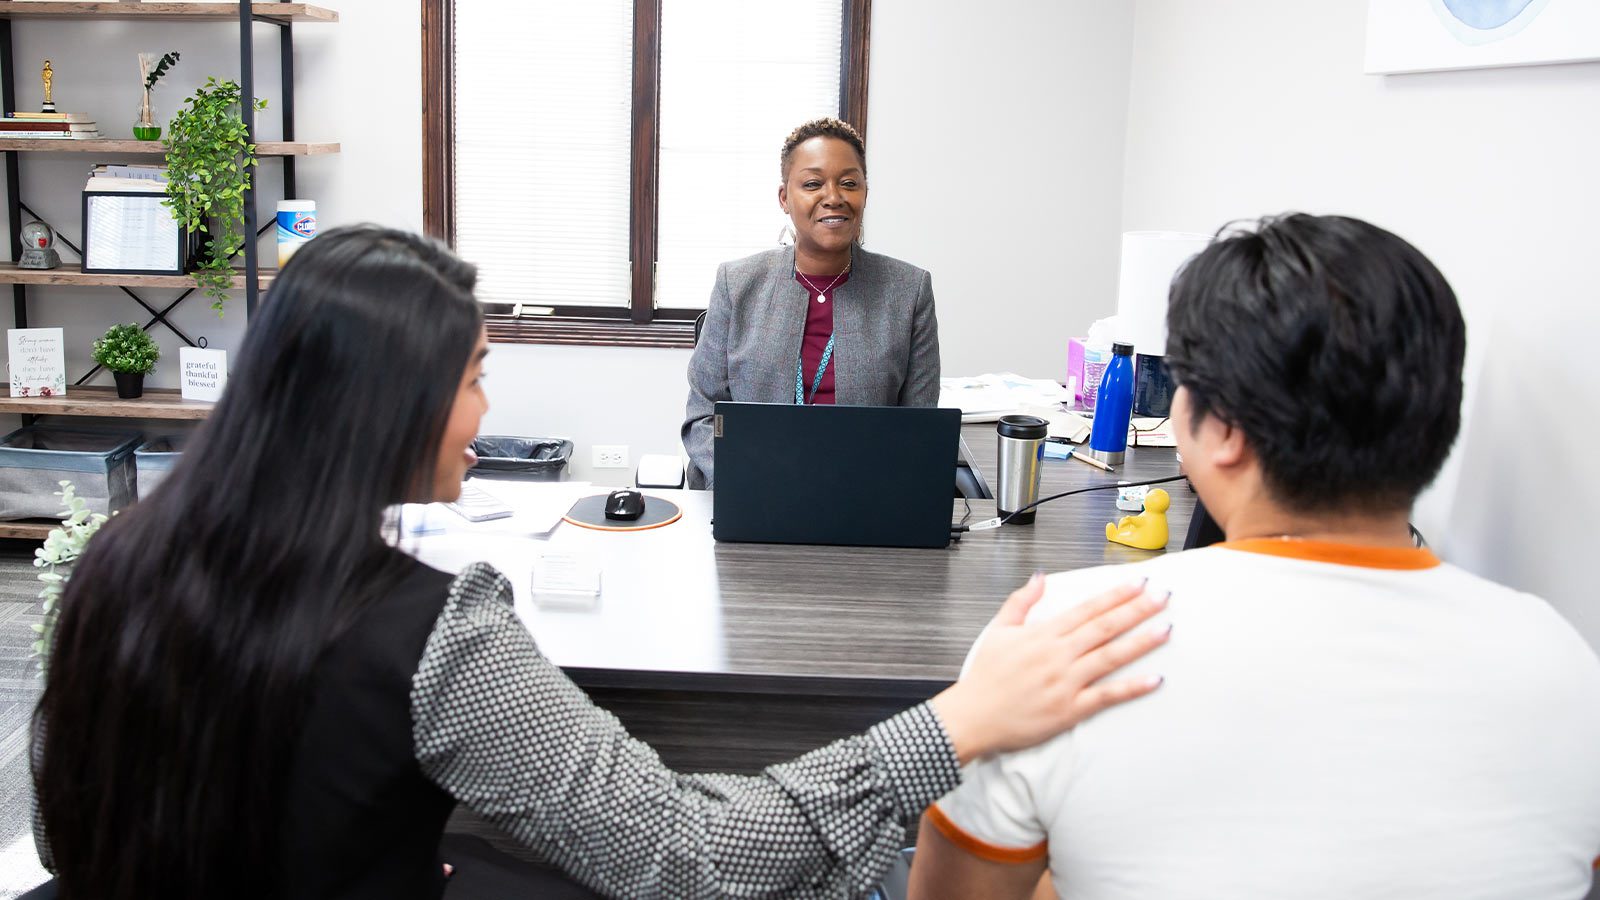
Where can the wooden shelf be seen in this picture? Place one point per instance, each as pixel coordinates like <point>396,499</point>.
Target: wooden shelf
<point>152,148</point>
<point>28,529</point>
<point>154,11</point>
<point>69,274</point>
<point>103,401</point>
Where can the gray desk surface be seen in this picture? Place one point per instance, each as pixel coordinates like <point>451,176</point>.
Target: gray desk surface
<point>679,611</point>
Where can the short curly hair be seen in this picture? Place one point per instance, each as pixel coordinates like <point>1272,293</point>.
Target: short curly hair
<point>827,126</point>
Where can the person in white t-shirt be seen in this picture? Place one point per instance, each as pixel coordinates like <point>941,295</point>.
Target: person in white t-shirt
<point>1344,716</point>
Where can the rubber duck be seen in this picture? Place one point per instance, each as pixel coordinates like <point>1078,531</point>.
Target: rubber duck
<point>1147,530</point>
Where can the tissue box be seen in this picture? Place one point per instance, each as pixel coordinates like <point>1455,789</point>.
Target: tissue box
<point>1074,379</point>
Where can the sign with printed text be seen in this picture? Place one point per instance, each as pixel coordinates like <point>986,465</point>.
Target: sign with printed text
<point>205,373</point>
<point>38,362</point>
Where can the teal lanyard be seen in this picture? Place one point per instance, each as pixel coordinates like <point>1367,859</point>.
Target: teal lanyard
<point>800,398</point>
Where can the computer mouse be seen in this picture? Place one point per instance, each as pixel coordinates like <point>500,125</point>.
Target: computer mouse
<point>625,504</point>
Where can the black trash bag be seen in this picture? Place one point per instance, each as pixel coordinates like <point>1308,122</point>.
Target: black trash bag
<point>524,458</point>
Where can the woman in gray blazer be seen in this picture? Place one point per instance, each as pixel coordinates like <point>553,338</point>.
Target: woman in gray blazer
<point>822,321</point>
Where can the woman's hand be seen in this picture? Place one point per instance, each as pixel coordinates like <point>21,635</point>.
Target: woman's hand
<point>1028,683</point>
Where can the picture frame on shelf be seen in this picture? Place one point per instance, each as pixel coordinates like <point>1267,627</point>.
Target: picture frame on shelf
<point>132,233</point>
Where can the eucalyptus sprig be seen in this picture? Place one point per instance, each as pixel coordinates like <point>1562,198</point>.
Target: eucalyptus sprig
<point>61,549</point>
<point>209,158</point>
<point>153,73</point>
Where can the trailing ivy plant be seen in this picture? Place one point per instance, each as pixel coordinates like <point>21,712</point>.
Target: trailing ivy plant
<point>61,549</point>
<point>208,170</point>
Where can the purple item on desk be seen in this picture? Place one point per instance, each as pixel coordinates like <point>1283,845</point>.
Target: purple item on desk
<point>1074,379</point>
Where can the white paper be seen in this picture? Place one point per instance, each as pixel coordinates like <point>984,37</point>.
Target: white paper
<point>565,580</point>
<point>985,398</point>
<point>130,233</point>
<point>204,373</point>
<point>539,508</point>
<point>38,362</point>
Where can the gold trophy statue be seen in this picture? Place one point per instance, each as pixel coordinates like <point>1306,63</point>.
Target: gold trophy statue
<point>48,75</point>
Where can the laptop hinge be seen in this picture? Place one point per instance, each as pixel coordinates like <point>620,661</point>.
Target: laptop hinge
<point>716,426</point>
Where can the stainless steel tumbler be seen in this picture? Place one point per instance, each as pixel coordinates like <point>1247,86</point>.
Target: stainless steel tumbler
<point>1021,456</point>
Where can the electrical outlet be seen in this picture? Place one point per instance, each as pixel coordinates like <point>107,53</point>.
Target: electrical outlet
<point>610,456</point>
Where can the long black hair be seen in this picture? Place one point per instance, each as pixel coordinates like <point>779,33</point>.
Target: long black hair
<point>189,630</point>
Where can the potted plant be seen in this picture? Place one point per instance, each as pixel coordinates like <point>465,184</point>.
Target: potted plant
<point>151,68</point>
<point>130,353</point>
<point>208,170</point>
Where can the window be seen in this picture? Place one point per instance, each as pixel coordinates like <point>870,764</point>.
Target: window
<point>598,159</point>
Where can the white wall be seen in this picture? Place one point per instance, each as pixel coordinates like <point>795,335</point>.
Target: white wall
<point>994,147</point>
<point>1258,106</point>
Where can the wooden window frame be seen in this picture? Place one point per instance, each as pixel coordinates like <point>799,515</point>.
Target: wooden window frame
<point>640,324</point>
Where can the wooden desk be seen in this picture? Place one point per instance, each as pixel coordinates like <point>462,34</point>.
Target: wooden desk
<point>729,657</point>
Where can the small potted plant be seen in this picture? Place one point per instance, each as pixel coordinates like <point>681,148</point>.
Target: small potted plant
<point>151,68</point>
<point>130,353</point>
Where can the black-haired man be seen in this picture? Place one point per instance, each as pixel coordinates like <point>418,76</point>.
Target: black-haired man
<point>1344,715</point>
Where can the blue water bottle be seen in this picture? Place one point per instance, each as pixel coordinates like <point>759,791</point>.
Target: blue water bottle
<point>1113,408</point>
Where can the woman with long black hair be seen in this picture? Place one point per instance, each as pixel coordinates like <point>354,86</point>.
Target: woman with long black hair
<point>251,695</point>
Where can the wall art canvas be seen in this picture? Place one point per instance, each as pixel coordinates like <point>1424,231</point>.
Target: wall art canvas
<point>1438,35</point>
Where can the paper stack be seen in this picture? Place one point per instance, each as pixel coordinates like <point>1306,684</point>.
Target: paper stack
<point>135,177</point>
<point>985,398</point>
<point>49,126</point>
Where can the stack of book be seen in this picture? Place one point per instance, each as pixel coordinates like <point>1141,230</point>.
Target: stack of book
<point>106,177</point>
<point>49,126</point>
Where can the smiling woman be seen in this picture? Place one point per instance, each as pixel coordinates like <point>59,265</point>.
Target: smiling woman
<point>823,321</point>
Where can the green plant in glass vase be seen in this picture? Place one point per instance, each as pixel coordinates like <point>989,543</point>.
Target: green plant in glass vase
<point>209,158</point>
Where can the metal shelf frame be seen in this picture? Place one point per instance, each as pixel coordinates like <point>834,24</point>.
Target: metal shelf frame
<point>248,18</point>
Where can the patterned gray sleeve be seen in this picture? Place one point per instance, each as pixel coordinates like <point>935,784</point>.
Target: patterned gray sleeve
<point>505,732</point>
<point>41,841</point>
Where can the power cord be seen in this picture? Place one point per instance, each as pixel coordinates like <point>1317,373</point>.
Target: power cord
<point>957,529</point>
<point>997,521</point>
<point>1138,431</point>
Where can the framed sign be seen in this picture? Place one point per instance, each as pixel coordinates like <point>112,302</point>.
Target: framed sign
<point>131,233</point>
<point>205,373</point>
<point>38,362</point>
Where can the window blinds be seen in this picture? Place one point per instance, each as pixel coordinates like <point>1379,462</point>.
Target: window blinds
<point>736,77</point>
<point>543,100</point>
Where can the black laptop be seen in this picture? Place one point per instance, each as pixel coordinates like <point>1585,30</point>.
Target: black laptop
<point>875,476</point>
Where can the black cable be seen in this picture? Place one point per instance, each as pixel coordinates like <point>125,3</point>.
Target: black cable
<point>1099,487</point>
<point>1138,431</point>
<point>960,527</point>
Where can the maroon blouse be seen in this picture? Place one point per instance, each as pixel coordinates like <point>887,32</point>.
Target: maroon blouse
<point>819,327</point>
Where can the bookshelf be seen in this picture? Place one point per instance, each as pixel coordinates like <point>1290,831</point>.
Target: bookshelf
<point>70,274</point>
<point>27,529</point>
<point>85,400</point>
<point>150,148</point>
<point>91,400</point>
<point>167,12</point>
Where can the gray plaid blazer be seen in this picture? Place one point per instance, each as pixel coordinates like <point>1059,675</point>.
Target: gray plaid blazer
<point>885,352</point>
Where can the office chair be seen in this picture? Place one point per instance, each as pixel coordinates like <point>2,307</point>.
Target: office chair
<point>699,326</point>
